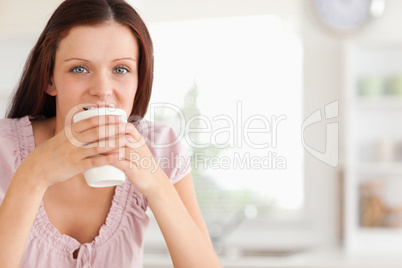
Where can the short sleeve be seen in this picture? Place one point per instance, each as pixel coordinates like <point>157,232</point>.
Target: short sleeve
<point>168,149</point>
<point>16,142</point>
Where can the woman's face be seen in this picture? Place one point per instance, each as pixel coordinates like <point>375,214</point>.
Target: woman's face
<point>96,65</point>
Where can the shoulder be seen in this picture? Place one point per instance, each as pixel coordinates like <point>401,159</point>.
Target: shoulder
<point>8,130</point>
<point>167,147</point>
<point>8,140</point>
<point>13,129</point>
<point>14,124</point>
<point>14,146</point>
<point>158,134</point>
<point>7,123</point>
<point>16,140</point>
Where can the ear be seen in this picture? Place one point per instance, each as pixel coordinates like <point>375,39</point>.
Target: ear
<point>51,88</point>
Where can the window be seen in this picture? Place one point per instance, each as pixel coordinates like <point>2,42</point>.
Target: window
<point>232,90</point>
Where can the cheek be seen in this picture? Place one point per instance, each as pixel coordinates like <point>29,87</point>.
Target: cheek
<point>69,84</point>
<point>69,91</point>
<point>129,88</point>
<point>127,95</point>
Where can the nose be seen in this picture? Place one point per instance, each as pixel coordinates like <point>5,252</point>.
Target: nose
<point>101,86</point>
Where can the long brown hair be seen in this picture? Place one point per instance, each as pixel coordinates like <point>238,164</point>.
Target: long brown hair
<point>30,97</point>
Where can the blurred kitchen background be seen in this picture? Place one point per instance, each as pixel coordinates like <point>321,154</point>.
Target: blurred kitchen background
<point>291,114</point>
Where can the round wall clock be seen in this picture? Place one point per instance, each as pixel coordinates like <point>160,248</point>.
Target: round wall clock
<point>347,16</point>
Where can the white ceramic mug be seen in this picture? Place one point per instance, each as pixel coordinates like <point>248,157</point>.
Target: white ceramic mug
<point>107,175</point>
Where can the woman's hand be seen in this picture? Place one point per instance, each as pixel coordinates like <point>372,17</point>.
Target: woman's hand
<point>79,146</point>
<point>139,164</point>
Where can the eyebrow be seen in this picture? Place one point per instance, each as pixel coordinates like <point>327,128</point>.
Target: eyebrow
<point>128,58</point>
<point>70,59</point>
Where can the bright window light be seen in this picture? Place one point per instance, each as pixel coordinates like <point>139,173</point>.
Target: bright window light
<point>238,82</point>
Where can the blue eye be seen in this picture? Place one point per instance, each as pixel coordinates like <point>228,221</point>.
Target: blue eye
<point>121,70</point>
<point>79,70</point>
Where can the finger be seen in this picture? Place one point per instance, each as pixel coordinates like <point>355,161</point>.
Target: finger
<point>142,157</point>
<point>94,122</point>
<point>133,162</point>
<point>101,132</point>
<point>100,160</point>
<point>134,139</point>
<point>105,146</point>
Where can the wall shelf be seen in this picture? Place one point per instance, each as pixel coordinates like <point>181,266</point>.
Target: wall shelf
<point>388,102</point>
<point>373,147</point>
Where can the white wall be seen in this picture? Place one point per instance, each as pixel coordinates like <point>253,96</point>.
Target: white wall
<point>25,15</point>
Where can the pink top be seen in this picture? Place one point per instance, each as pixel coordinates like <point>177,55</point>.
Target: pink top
<point>120,239</point>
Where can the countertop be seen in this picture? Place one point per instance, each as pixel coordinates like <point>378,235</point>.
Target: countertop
<point>320,258</point>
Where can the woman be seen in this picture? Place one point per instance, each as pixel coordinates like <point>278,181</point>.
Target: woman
<point>95,52</point>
